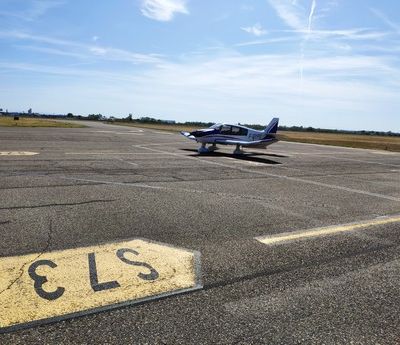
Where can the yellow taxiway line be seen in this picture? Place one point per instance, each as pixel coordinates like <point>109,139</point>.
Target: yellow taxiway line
<point>330,230</point>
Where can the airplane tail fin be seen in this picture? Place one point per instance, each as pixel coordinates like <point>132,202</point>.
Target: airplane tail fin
<point>272,126</point>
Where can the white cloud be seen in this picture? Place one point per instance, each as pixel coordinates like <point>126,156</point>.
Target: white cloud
<point>235,87</point>
<point>78,49</point>
<point>256,30</point>
<point>98,50</point>
<point>52,51</point>
<point>290,12</point>
<point>34,10</point>
<point>163,10</point>
<point>348,34</point>
<point>267,41</point>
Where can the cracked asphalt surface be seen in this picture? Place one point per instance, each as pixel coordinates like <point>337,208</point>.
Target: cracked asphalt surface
<point>106,183</point>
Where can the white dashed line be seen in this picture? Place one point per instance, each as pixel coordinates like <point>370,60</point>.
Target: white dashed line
<point>257,172</point>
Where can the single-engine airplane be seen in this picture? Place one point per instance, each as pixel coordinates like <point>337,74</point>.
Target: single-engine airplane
<point>241,136</point>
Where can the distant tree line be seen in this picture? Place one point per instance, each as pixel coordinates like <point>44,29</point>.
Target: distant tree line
<point>147,119</point>
<point>337,131</point>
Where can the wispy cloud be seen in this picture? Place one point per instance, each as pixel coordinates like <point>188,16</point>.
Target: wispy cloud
<point>163,10</point>
<point>256,30</point>
<point>300,19</point>
<point>51,51</point>
<point>290,12</point>
<point>334,36</point>
<point>386,20</point>
<point>232,86</point>
<point>349,34</point>
<point>267,41</point>
<point>34,10</point>
<point>78,49</point>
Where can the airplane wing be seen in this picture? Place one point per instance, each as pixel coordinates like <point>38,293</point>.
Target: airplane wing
<point>245,143</point>
<point>188,135</point>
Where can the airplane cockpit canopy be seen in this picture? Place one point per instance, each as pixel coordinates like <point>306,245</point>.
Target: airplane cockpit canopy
<point>229,129</point>
<point>216,126</point>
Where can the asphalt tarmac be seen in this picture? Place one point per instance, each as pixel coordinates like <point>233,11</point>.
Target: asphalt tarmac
<point>106,183</point>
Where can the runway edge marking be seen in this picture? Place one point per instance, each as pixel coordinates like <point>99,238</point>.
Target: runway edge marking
<point>324,231</point>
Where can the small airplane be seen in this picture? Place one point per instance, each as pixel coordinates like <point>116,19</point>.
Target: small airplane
<point>241,136</point>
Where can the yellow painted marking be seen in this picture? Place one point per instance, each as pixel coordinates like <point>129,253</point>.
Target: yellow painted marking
<point>126,271</point>
<point>107,153</point>
<point>330,230</point>
<point>17,153</point>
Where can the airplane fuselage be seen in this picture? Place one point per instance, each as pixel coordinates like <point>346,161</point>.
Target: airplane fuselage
<point>227,132</point>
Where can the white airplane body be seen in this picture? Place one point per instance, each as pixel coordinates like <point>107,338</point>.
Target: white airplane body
<point>241,136</point>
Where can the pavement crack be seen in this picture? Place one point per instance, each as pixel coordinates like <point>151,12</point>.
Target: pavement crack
<point>51,186</point>
<point>42,251</point>
<point>53,205</point>
<point>5,222</point>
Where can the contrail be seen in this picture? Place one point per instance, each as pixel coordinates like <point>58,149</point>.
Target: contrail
<point>310,18</point>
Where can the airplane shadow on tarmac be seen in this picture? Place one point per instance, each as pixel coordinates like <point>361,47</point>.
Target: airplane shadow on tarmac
<point>245,157</point>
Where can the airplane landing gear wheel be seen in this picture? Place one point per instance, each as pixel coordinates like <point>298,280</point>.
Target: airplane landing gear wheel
<point>238,151</point>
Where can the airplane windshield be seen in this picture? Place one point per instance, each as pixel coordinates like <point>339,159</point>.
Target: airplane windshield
<point>217,125</point>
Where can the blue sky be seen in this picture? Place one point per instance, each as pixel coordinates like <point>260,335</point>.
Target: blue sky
<point>320,63</point>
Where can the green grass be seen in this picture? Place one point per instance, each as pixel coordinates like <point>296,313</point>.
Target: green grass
<point>374,142</point>
<point>7,121</point>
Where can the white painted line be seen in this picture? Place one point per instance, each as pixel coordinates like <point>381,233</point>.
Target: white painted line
<point>330,230</point>
<point>191,191</point>
<point>385,152</point>
<point>325,146</point>
<point>339,147</point>
<point>137,185</point>
<point>158,144</point>
<point>242,161</point>
<point>363,161</point>
<point>131,163</point>
<point>17,153</point>
<point>159,132</point>
<point>139,131</point>
<point>134,133</point>
<point>263,173</point>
